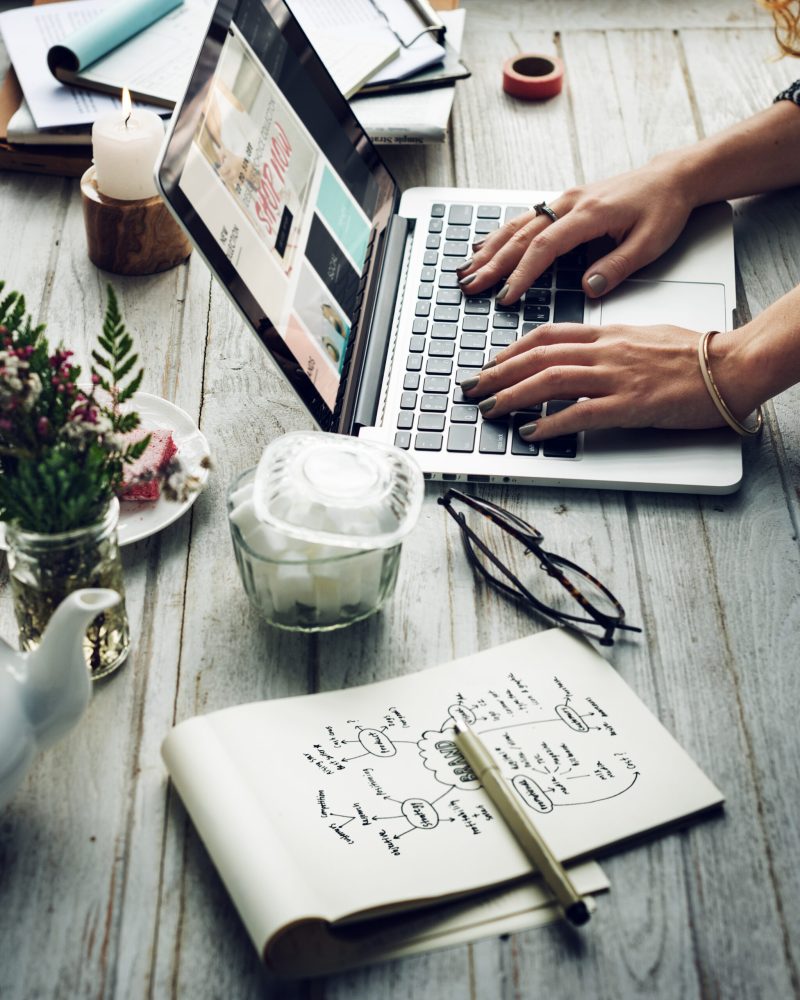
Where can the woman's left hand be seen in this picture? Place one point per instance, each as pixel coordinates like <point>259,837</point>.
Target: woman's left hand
<point>622,376</point>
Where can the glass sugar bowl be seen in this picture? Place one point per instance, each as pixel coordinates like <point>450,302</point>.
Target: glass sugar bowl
<point>317,528</point>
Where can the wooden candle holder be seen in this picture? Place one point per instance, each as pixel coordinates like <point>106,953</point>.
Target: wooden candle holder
<point>130,237</point>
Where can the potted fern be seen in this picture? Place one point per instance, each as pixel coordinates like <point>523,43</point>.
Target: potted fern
<point>63,452</point>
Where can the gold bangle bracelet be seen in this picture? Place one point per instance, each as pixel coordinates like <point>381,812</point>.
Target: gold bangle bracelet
<point>716,398</point>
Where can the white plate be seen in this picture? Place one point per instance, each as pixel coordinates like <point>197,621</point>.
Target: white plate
<point>140,519</point>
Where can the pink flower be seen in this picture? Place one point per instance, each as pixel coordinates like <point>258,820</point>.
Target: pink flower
<point>42,426</point>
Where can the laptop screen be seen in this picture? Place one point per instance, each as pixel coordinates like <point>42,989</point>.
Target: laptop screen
<point>280,190</point>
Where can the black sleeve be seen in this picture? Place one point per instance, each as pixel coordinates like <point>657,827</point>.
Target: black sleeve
<point>791,93</point>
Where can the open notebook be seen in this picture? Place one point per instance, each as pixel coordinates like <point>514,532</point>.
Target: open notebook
<point>348,828</point>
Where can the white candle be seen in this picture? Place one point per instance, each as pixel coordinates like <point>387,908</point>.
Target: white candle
<point>125,145</point>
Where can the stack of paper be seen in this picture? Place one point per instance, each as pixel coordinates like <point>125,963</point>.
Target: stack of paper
<point>96,47</point>
<point>397,60</point>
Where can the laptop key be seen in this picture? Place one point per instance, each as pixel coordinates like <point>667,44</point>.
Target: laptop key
<point>425,291</point>
<point>480,307</point>
<point>473,341</point>
<point>518,445</point>
<point>411,381</point>
<point>494,351</point>
<point>414,363</point>
<point>435,225</point>
<point>460,215</point>
<point>438,366</point>
<point>502,338</point>
<point>417,344</point>
<point>566,445</point>
<point>457,233</point>
<point>470,359</point>
<point>566,278</point>
<point>461,437</point>
<point>540,314</point>
<point>430,258</point>
<point>450,264</point>
<point>448,280</point>
<point>428,274</point>
<point>494,437</point>
<point>402,439</point>
<point>484,226</point>
<point>527,327</point>
<point>423,308</point>
<point>488,211</point>
<point>462,373</point>
<point>544,280</point>
<point>445,314</point>
<point>464,413</point>
<point>505,321</point>
<point>475,324</point>
<point>436,383</point>
<point>425,441</point>
<point>441,349</point>
<point>405,420</point>
<point>437,210</point>
<point>568,307</point>
<point>456,248</point>
<point>515,210</point>
<point>433,403</point>
<point>433,242</point>
<point>420,325</point>
<point>444,331</point>
<point>448,297</point>
<point>535,296</point>
<point>408,400</point>
<point>431,422</point>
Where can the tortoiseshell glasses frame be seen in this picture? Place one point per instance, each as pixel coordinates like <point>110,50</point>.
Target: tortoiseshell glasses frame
<point>554,565</point>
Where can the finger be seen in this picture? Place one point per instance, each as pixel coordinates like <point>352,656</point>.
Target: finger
<point>491,380</point>
<point>494,261</point>
<point>556,382</point>
<point>636,250</point>
<point>585,415</point>
<point>548,333</point>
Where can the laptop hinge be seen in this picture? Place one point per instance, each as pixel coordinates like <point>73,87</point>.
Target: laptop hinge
<point>380,324</point>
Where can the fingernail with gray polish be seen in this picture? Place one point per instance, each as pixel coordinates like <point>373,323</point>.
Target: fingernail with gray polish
<point>489,364</point>
<point>464,266</point>
<point>469,383</point>
<point>486,404</point>
<point>597,283</point>
<point>466,281</point>
<point>501,294</point>
<point>526,430</point>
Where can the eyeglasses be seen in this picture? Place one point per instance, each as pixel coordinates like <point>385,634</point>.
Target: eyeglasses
<point>605,613</point>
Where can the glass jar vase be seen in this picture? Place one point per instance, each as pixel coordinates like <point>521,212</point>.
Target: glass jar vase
<point>45,568</point>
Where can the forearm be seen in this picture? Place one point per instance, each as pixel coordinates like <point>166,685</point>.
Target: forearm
<point>757,155</point>
<point>766,351</point>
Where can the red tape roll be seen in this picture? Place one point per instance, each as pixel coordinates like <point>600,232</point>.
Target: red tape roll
<point>533,77</point>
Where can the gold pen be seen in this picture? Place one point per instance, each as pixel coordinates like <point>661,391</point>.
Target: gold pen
<point>530,840</point>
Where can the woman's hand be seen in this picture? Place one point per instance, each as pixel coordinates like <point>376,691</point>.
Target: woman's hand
<point>629,376</point>
<point>643,211</point>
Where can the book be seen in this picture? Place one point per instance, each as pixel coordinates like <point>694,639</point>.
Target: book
<point>352,38</point>
<point>154,64</point>
<point>348,828</point>
<point>446,72</point>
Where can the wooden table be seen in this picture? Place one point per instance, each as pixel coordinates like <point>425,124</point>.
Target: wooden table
<point>105,889</point>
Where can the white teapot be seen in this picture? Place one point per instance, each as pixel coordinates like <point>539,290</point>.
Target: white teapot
<point>43,693</point>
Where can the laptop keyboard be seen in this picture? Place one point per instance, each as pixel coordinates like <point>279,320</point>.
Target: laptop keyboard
<point>453,336</point>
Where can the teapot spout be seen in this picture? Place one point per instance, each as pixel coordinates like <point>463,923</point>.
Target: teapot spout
<point>57,685</point>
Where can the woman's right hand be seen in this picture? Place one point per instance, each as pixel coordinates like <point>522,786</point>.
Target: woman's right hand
<point>643,211</point>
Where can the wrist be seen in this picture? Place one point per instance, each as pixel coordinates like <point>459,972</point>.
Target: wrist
<point>737,362</point>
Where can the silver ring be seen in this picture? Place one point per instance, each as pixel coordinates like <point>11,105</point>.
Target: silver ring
<point>543,209</point>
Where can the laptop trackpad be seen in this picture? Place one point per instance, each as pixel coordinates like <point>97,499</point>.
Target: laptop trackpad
<point>694,305</point>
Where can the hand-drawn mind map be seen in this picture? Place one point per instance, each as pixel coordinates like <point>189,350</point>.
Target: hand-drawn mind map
<point>562,755</point>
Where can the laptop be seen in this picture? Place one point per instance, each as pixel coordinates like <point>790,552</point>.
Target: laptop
<point>350,284</point>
